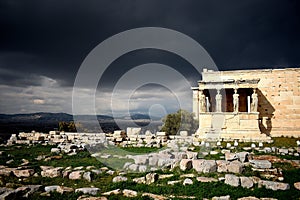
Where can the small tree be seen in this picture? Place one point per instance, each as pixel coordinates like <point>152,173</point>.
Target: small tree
<point>67,126</point>
<point>182,120</point>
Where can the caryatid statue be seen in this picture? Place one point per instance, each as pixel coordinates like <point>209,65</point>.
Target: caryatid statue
<point>235,101</point>
<point>202,103</point>
<point>254,103</point>
<point>218,101</point>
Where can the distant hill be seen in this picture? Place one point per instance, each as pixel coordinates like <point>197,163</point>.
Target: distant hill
<point>36,116</point>
<point>139,116</point>
<point>43,116</point>
<point>44,121</point>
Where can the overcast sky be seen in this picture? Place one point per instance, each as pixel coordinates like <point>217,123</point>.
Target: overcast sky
<point>43,44</point>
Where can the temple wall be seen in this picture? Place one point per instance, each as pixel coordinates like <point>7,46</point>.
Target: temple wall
<point>279,98</point>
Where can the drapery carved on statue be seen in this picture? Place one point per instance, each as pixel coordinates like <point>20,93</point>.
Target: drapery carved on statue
<point>202,102</point>
<point>218,101</point>
<point>254,103</point>
<point>235,101</point>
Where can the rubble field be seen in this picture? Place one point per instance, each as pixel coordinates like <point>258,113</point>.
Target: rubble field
<point>209,170</point>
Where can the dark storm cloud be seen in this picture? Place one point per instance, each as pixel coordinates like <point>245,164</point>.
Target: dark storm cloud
<point>236,33</point>
<point>48,40</point>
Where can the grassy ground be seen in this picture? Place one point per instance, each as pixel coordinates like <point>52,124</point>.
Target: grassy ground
<point>284,142</point>
<point>141,150</point>
<point>104,181</point>
<point>280,142</point>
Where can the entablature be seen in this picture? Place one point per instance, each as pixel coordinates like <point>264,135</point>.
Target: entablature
<point>228,84</point>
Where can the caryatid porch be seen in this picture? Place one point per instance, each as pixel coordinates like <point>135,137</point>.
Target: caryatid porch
<point>227,109</point>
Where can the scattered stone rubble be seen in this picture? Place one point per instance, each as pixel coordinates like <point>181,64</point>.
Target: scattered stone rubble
<point>150,178</point>
<point>74,140</point>
<point>71,142</point>
<point>132,137</point>
<point>175,155</point>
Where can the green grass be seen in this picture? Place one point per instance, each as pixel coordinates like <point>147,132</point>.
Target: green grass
<point>284,166</point>
<point>208,190</point>
<point>248,172</point>
<point>104,181</point>
<point>279,142</point>
<point>56,196</point>
<point>288,157</point>
<point>283,142</point>
<point>213,157</point>
<point>82,158</point>
<point>141,150</point>
<point>23,151</point>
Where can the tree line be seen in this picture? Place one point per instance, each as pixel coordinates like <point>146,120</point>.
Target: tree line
<point>182,120</point>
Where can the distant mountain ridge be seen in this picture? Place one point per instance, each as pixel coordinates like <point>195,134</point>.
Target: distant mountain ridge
<point>138,116</point>
<point>37,116</point>
<point>47,116</point>
<point>45,122</point>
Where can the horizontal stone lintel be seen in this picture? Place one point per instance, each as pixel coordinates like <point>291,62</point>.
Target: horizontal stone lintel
<point>239,81</point>
<point>229,113</point>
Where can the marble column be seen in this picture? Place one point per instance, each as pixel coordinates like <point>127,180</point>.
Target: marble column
<point>196,103</point>
<point>248,104</point>
<point>202,103</point>
<point>254,102</point>
<point>218,101</point>
<point>235,101</point>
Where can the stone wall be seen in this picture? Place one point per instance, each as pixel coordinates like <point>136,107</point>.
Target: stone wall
<point>56,137</point>
<point>279,98</point>
<point>133,138</point>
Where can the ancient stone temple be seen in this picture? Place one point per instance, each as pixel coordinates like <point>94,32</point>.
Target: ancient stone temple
<point>248,105</point>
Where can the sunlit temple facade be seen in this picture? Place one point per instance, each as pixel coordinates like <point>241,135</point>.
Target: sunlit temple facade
<point>247,104</point>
